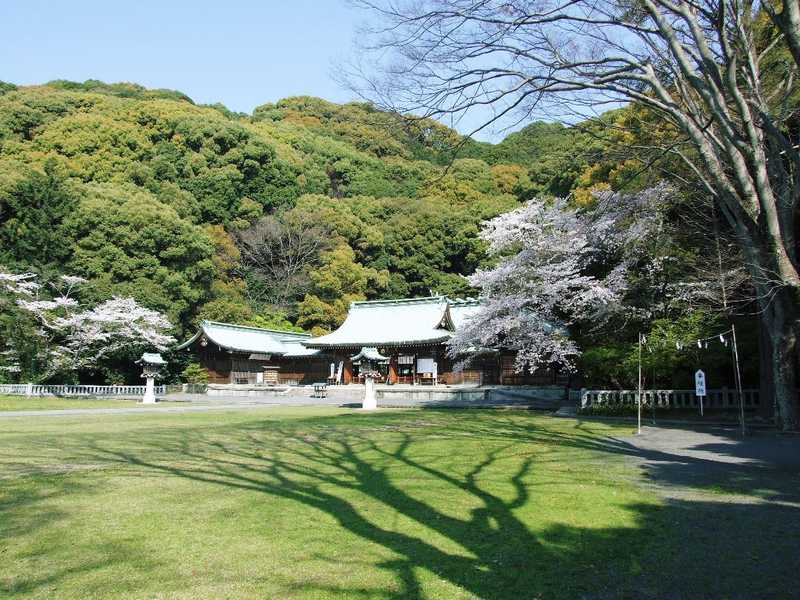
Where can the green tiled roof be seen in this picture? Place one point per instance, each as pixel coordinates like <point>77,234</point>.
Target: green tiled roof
<point>385,323</point>
<point>240,338</point>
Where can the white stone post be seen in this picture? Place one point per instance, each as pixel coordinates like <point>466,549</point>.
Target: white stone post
<point>370,402</point>
<point>29,389</point>
<point>149,391</point>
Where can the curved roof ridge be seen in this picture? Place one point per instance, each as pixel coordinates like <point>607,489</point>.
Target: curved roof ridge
<point>250,327</point>
<point>464,301</point>
<point>396,301</point>
<point>382,323</point>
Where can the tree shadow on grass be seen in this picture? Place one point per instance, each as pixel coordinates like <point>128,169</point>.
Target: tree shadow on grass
<point>345,467</point>
<point>29,518</point>
<point>763,464</point>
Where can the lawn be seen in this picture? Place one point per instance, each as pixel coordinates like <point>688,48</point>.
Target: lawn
<point>53,403</point>
<point>333,503</point>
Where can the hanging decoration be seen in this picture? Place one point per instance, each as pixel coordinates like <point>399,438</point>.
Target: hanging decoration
<point>724,338</point>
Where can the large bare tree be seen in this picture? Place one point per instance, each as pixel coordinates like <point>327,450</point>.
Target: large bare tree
<point>721,72</point>
<point>277,256</point>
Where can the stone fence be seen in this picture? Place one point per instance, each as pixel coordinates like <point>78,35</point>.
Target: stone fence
<point>723,398</point>
<point>540,397</point>
<point>30,389</point>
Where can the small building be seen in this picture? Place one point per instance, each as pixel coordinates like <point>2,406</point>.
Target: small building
<point>251,355</point>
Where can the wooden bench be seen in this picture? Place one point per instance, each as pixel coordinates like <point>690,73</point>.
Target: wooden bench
<point>426,379</point>
<point>320,390</point>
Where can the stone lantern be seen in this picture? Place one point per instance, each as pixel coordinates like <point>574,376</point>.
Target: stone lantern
<point>152,363</point>
<point>369,358</point>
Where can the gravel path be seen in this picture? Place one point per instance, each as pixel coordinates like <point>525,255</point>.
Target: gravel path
<point>707,447</point>
<point>71,412</point>
<point>719,464</point>
<point>729,522</point>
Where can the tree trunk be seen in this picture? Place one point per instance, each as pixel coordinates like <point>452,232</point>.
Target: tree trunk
<point>766,386</point>
<point>780,318</point>
<point>779,322</point>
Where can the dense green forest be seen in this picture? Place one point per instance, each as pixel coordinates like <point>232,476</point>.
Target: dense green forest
<point>283,217</point>
<point>146,194</point>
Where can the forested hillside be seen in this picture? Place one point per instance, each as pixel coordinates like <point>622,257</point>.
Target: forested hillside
<point>148,195</point>
<point>283,217</point>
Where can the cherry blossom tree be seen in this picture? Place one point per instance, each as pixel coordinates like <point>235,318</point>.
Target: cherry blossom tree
<point>110,328</point>
<point>721,74</point>
<point>558,267</point>
<point>19,284</point>
<point>71,337</point>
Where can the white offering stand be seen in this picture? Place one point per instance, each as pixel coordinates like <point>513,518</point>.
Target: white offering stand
<point>149,391</point>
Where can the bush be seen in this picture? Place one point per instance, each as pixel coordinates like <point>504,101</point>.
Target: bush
<point>195,373</point>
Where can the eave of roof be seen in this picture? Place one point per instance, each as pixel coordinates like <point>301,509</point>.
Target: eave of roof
<point>391,323</point>
<point>403,344</point>
<point>270,342</point>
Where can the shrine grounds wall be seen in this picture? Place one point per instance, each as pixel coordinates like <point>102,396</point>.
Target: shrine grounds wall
<point>544,397</point>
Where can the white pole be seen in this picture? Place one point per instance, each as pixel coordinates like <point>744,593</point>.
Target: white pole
<point>639,403</point>
<point>738,379</point>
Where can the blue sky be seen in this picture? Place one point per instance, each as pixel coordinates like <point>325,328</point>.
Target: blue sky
<point>241,53</point>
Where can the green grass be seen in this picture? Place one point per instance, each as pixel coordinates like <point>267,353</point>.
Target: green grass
<point>332,503</point>
<point>52,403</point>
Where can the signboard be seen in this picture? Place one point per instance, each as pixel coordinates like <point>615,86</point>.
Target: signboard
<point>700,387</point>
<point>426,365</point>
<point>699,383</point>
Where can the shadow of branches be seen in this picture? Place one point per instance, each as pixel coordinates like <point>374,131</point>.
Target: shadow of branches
<point>475,533</point>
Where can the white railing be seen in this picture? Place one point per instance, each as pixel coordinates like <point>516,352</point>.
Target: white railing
<point>719,398</point>
<point>13,389</point>
<point>29,389</point>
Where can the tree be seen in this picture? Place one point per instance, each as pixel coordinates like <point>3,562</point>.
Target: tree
<point>540,288</point>
<point>195,373</point>
<point>340,280</point>
<point>276,321</point>
<point>277,256</point>
<point>698,64</point>
<point>560,270</point>
<point>72,339</point>
<point>32,214</point>
<point>130,244</point>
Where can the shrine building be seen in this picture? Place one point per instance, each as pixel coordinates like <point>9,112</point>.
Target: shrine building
<point>407,339</point>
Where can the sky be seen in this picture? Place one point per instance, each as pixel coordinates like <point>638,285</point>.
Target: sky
<point>241,53</point>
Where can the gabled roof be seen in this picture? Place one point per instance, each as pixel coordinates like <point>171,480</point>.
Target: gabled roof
<point>152,358</point>
<point>462,310</point>
<point>370,353</point>
<point>239,338</point>
<point>384,323</point>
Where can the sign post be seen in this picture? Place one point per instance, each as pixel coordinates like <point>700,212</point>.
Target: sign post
<point>700,387</point>
<point>639,391</point>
